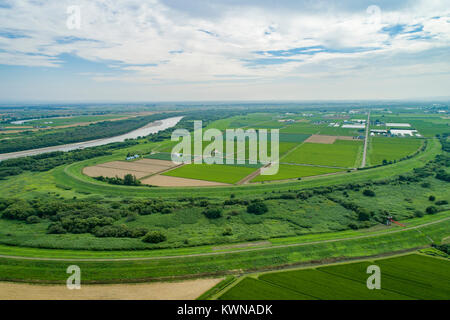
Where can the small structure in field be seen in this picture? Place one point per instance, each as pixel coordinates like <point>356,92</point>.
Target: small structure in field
<point>132,157</point>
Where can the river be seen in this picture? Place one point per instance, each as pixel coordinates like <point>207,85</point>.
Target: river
<point>150,128</point>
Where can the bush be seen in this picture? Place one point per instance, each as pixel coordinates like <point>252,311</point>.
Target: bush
<point>213,213</point>
<point>33,219</point>
<point>431,210</point>
<point>363,215</point>
<point>227,231</point>
<point>441,202</point>
<point>431,198</point>
<point>56,228</point>
<point>154,237</point>
<point>132,216</point>
<point>418,214</point>
<point>369,193</point>
<point>257,208</point>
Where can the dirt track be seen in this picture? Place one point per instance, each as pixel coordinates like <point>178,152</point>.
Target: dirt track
<point>185,290</point>
<point>168,181</point>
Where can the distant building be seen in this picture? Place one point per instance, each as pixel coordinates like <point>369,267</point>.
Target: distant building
<point>354,126</point>
<point>132,157</point>
<point>403,132</point>
<point>405,125</point>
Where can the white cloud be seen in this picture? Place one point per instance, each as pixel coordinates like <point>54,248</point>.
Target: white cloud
<point>150,42</point>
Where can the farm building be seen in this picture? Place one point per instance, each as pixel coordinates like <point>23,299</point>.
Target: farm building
<point>132,157</point>
<point>403,132</point>
<point>354,126</point>
<point>405,125</point>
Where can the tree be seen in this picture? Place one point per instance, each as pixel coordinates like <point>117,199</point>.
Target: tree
<point>369,193</point>
<point>431,198</point>
<point>213,213</point>
<point>257,208</point>
<point>154,237</point>
<point>431,210</point>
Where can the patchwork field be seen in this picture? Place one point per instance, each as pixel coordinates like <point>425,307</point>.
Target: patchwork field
<point>341,153</point>
<point>402,278</point>
<point>140,168</point>
<point>390,149</point>
<point>213,172</point>
<point>287,171</point>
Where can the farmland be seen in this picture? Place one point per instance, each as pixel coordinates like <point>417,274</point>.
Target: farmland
<point>295,171</point>
<point>403,278</point>
<point>342,153</point>
<point>391,149</point>
<point>218,173</point>
<point>68,214</point>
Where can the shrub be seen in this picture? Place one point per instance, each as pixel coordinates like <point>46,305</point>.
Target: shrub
<point>33,219</point>
<point>154,237</point>
<point>431,210</point>
<point>363,215</point>
<point>257,208</point>
<point>132,216</point>
<point>418,214</point>
<point>213,213</point>
<point>431,198</point>
<point>369,193</point>
<point>227,231</point>
<point>56,228</point>
<point>441,202</point>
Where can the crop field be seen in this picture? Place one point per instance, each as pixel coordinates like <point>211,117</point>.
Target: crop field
<point>287,171</point>
<point>215,172</point>
<point>139,169</point>
<point>342,153</point>
<point>390,149</point>
<point>402,278</point>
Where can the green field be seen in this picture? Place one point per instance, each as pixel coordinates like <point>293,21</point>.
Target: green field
<point>341,153</point>
<point>287,171</point>
<point>390,149</point>
<point>214,172</point>
<point>402,278</point>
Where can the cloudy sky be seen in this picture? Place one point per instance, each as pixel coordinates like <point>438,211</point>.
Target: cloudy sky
<point>155,50</point>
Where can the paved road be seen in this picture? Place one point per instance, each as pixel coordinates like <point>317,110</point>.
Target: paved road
<point>366,141</point>
<point>224,252</point>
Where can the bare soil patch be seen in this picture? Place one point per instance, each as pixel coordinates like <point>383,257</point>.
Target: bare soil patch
<point>140,168</point>
<point>98,171</point>
<point>185,290</point>
<point>318,138</point>
<point>168,181</point>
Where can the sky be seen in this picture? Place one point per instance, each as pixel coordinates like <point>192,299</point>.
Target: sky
<point>228,50</point>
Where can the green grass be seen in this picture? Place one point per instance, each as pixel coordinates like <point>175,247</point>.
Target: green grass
<point>252,289</point>
<point>287,171</point>
<point>144,270</point>
<point>218,173</point>
<point>217,288</point>
<point>341,153</point>
<point>402,278</point>
<point>384,148</point>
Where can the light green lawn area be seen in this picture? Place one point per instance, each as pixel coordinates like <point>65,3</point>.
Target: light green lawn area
<point>341,153</point>
<point>213,172</point>
<point>287,171</point>
<point>385,148</point>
